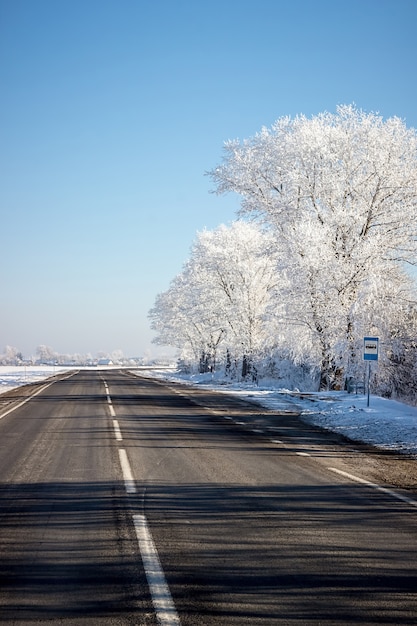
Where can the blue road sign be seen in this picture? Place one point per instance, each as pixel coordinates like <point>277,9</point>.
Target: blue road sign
<point>370,348</point>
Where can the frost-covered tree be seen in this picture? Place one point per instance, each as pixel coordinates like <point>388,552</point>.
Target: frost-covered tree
<point>394,320</point>
<point>46,354</point>
<point>117,356</point>
<point>399,376</point>
<point>11,356</point>
<point>241,271</point>
<point>339,192</point>
<point>182,318</point>
<point>220,299</point>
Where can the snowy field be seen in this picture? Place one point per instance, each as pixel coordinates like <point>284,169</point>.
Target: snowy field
<point>386,423</point>
<point>11,377</point>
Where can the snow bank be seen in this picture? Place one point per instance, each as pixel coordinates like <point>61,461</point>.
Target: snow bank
<point>386,424</point>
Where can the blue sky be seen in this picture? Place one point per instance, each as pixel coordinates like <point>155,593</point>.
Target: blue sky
<point>113,110</point>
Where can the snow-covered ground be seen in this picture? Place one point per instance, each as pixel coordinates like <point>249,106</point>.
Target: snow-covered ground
<point>386,423</point>
<point>11,377</point>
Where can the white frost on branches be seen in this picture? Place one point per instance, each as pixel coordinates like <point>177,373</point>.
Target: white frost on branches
<point>220,299</point>
<point>336,199</point>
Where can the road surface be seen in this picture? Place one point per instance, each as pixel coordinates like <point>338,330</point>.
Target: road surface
<point>128,501</point>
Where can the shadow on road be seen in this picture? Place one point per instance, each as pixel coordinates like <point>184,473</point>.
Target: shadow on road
<point>282,554</point>
<point>232,554</point>
<point>67,552</point>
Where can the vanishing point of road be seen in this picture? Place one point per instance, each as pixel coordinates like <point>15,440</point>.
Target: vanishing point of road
<point>128,501</point>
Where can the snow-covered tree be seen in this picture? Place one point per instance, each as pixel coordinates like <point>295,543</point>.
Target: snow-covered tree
<point>241,271</point>
<point>178,318</point>
<point>117,356</point>
<point>339,192</point>
<point>399,376</point>
<point>221,297</point>
<point>46,354</point>
<point>11,356</point>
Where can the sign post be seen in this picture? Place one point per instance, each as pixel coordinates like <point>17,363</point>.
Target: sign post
<point>370,353</point>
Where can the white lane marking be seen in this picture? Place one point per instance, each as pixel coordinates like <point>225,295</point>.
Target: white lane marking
<point>37,393</point>
<point>303,454</point>
<point>113,414</point>
<point>127,472</point>
<point>117,431</point>
<point>277,441</point>
<point>256,430</point>
<point>161,595</point>
<point>27,399</point>
<point>394,494</point>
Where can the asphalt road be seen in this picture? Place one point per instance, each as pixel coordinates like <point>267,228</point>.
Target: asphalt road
<point>128,501</point>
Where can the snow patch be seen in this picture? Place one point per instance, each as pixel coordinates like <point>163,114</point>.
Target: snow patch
<point>387,424</point>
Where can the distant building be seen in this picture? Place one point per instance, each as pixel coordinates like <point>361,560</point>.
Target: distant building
<point>105,362</point>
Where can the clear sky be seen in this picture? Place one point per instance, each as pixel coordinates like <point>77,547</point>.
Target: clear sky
<point>111,112</point>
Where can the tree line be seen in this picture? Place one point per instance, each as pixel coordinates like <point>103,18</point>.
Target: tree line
<point>317,259</point>
<point>45,355</point>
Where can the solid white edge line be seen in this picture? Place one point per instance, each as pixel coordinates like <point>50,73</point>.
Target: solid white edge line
<point>161,596</point>
<point>117,431</point>
<point>36,393</point>
<point>127,472</point>
<point>27,399</point>
<point>356,479</point>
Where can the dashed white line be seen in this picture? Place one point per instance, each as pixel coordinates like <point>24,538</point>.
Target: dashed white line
<point>160,593</point>
<point>109,400</point>
<point>159,590</point>
<point>117,431</point>
<point>356,479</point>
<point>161,596</point>
<point>127,472</point>
<point>303,454</point>
<point>277,441</point>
